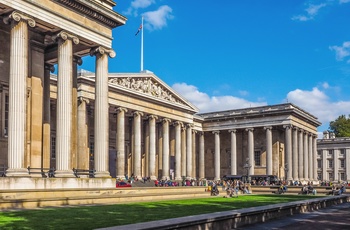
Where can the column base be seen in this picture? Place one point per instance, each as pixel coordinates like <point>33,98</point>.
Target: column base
<point>178,178</point>
<point>153,177</point>
<point>20,172</point>
<point>165,177</point>
<point>102,174</point>
<point>64,173</point>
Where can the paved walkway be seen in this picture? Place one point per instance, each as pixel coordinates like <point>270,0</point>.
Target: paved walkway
<point>331,218</point>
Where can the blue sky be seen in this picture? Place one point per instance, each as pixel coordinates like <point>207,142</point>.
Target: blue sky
<point>229,54</point>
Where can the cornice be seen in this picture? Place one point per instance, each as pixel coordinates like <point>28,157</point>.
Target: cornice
<point>107,17</point>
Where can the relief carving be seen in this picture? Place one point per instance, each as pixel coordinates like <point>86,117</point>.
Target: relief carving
<point>147,86</point>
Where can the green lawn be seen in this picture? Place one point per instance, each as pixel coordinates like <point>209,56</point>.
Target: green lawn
<point>91,217</point>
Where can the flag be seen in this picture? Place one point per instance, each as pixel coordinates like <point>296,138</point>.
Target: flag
<point>138,31</point>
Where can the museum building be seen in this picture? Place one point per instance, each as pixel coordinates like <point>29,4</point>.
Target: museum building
<point>121,124</point>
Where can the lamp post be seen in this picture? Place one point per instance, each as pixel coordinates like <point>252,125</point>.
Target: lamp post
<point>247,166</point>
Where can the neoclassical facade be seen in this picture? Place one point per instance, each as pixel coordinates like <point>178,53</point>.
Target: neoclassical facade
<point>122,124</point>
<point>333,158</point>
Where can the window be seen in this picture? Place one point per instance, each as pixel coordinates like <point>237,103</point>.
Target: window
<point>319,152</point>
<point>319,164</point>
<point>330,152</point>
<point>53,147</point>
<point>330,176</point>
<point>6,120</point>
<point>342,163</point>
<point>342,152</point>
<point>257,158</point>
<point>319,176</point>
<point>342,176</point>
<point>330,163</point>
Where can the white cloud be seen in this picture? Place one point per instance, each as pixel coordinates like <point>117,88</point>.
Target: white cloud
<point>136,5</point>
<point>311,12</point>
<point>157,19</point>
<point>317,103</point>
<point>341,52</point>
<point>205,103</point>
<point>343,1</point>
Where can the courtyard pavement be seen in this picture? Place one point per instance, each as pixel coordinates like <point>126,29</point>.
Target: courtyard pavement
<point>331,218</point>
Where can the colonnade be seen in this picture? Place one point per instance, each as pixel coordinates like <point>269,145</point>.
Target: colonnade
<point>19,63</point>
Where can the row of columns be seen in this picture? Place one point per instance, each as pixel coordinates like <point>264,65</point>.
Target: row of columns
<point>184,147</point>
<point>19,63</point>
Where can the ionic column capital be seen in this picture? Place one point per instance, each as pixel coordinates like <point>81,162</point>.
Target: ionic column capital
<point>152,117</point>
<point>232,131</point>
<point>64,35</point>
<point>78,60</point>
<point>50,67</point>
<point>249,129</point>
<point>121,109</point>
<point>189,125</point>
<point>82,99</point>
<point>166,120</point>
<point>138,113</point>
<point>216,132</point>
<point>287,126</point>
<point>18,16</point>
<point>175,123</point>
<point>101,50</point>
<point>194,131</point>
<point>268,128</point>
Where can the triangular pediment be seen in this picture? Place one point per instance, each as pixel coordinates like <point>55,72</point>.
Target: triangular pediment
<point>149,85</point>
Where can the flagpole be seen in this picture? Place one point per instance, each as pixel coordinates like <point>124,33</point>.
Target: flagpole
<point>142,45</point>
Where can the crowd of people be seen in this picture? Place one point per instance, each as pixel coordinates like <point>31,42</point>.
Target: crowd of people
<point>231,188</point>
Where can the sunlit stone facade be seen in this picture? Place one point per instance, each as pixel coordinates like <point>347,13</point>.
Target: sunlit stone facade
<point>122,124</point>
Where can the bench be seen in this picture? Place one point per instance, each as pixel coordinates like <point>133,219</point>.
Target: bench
<point>87,172</point>
<point>3,169</point>
<point>45,172</point>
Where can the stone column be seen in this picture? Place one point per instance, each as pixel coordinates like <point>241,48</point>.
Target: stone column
<point>347,163</point>
<point>166,151</point>
<point>251,150</point>
<point>311,160</point>
<point>324,165</point>
<point>314,143</point>
<point>83,135</point>
<point>137,144</point>
<point>177,150</point>
<point>189,151</point>
<point>18,93</point>
<point>101,111</point>
<point>233,152</point>
<point>201,156</point>
<point>183,151</point>
<point>301,155</point>
<point>194,160</point>
<point>306,157</point>
<point>74,148</point>
<point>295,154</point>
<point>152,146</point>
<point>64,104</point>
<point>336,164</point>
<point>47,117</point>
<point>121,143</point>
<point>217,155</point>
<point>288,152</point>
<point>268,150</point>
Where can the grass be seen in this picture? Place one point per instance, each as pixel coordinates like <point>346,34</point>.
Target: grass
<point>92,217</point>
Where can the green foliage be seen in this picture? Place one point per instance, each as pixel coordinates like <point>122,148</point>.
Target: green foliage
<point>92,217</point>
<point>341,126</point>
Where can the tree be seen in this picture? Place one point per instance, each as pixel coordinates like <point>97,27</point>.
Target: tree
<point>341,126</point>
